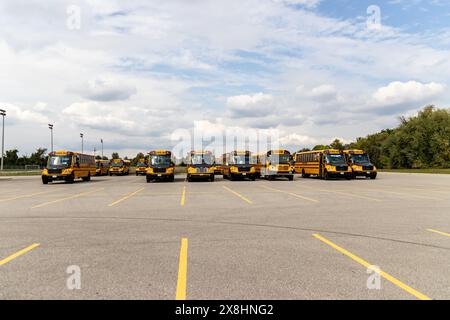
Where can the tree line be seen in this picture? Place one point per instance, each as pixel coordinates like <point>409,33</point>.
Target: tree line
<point>420,141</point>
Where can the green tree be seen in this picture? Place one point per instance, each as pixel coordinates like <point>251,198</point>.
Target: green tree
<point>11,157</point>
<point>115,155</point>
<point>337,144</point>
<point>321,147</point>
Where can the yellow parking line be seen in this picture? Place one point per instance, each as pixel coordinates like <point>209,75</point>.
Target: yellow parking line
<point>349,194</point>
<point>238,195</point>
<point>18,253</point>
<point>24,196</point>
<point>291,194</point>
<point>126,197</point>
<point>182,271</point>
<point>183,196</point>
<point>439,232</point>
<point>366,264</point>
<point>67,198</point>
<point>403,194</point>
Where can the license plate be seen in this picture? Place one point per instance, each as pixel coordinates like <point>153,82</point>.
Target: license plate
<point>342,173</point>
<point>54,177</point>
<point>368,172</point>
<point>244,174</point>
<point>159,175</point>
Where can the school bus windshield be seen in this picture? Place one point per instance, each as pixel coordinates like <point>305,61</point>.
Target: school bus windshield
<point>335,159</point>
<point>199,159</point>
<point>141,164</point>
<point>360,158</point>
<point>160,160</point>
<point>117,164</point>
<point>279,159</point>
<point>59,161</point>
<point>242,159</point>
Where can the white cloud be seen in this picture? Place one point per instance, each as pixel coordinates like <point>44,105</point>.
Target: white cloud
<point>106,89</point>
<point>254,106</point>
<point>411,92</point>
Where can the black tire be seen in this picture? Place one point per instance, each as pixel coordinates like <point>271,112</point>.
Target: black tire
<point>325,175</point>
<point>373,176</point>
<point>172,178</point>
<point>149,179</point>
<point>212,178</point>
<point>71,179</point>
<point>188,178</point>
<point>44,180</point>
<point>291,178</point>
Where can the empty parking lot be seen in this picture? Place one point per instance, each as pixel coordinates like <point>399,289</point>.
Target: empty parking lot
<point>306,239</point>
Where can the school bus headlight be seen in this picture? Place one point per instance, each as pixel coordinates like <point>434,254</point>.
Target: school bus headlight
<point>169,170</point>
<point>234,169</point>
<point>357,168</point>
<point>192,170</point>
<point>149,171</point>
<point>331,168</point>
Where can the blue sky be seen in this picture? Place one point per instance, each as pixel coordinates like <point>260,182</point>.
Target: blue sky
<point>137,73</point>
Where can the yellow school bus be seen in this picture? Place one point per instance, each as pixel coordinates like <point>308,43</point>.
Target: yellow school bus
<point>200,165</point>
<point>102,167</point>
<point>68,166</point>
<point>257,164</point>
<point>276,163</point>
<point>141,167</point>
<point>325,164</point>
<point>218,166</point>
<point>359,162</point>
<point>119,167</point>
<point>238,165</point>
<point>160,166</point>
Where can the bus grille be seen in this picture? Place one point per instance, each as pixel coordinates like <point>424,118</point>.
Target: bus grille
<point>159,170</point>
<point>202,170</point>
<point>367,168</point>
<point>244,169</point>
<point>54,171</point>
<point>341,168</point>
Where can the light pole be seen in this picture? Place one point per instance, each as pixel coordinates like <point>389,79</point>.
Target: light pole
<point>101,140</point>
<point>3,114</point>
<point>50,126</point>
<point>82,142</point>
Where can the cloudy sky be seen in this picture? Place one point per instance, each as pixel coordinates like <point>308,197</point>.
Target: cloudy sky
<point>134,72</point>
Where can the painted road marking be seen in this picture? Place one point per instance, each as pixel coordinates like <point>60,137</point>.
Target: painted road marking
<point>18,254</point>
<point>24,196</point>
<point>291,194</point>
<point>126,197</point>
<point>439,232</point>
<point>183,196</point>
<point>366,264</point>
<point>67,198</point>
<point>238,195</point>
<point>403,194</point>
<point>349,194</point>
<point>182,271</point>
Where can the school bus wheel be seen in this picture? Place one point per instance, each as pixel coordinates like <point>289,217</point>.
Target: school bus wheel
<point>88,178</point>
<point>291,178</point>
<point>70,179</point>
<point>373,176</point>
<point>304,175</point>
<point>212,178</point>
<point>44,180</point>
